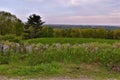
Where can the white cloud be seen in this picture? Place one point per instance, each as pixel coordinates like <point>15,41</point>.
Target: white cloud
<point>78,2</point>
<point>35,0</point>
<point>82,2</point>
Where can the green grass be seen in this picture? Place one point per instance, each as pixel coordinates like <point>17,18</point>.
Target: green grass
<point>54,69</point>
<point>38,70</point>
<point>92,60</point>
<point>93,71</point>
<point>69,40</point>
<point>51,60</point>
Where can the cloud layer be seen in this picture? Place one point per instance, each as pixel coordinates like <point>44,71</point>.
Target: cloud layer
<point>66,11</point>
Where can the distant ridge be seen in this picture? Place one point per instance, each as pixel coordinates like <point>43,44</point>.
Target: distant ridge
<point>108,27</point>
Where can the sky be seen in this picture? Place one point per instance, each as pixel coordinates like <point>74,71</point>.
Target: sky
<point>88,12</point>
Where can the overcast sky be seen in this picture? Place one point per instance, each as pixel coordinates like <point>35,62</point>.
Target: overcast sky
<point>103,12</point>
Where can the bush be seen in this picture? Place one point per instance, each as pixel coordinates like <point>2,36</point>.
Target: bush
<point>11,38</point>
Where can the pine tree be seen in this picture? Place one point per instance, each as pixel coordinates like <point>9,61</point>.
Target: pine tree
<point>33,26</point>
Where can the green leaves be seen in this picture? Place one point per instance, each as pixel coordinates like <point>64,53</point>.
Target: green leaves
<point>34,25</point>
<point>10,24</point>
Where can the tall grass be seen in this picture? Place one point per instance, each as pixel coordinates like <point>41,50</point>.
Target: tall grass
<point>43,58</point>
<point>102,53</point>
<point>69,40</point>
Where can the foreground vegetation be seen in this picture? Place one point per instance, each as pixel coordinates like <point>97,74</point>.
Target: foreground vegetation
<point>68,40</point>
<point>60,71</point>
<point>61,59</point>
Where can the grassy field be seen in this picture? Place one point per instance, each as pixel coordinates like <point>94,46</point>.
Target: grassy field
<point>64,57</point>
<point>58,70</point>
<point>69,40</point>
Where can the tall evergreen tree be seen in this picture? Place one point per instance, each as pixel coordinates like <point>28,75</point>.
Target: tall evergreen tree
<point>33,26</point>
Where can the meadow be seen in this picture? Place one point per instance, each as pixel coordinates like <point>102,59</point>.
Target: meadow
<point>70,40</point>
<point>73,57</point>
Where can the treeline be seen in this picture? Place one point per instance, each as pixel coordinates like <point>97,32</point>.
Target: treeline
<point>33,28</point>
<point>80,33</point>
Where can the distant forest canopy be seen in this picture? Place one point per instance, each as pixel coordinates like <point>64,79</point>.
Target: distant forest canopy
<point>66,26</point>
<point>35,28</point>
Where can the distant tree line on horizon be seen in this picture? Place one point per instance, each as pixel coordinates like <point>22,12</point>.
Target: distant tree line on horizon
<point>33,28</point>
<point>67,26</point>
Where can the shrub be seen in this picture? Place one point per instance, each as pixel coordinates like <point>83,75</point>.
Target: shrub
<point>11,38</point>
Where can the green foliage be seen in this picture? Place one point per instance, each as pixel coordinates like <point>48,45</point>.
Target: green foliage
<point>89,33</point>
<point>33,27</point>
<point>34,21</point>
<point>11,38</point>
<point>26,35</point>
<point>19,28</point>
<point>4,59</point>
<point>47,31</point>
<point>116,34</point>
<point>69,40</point>
<point>0,37</point>
<point>47,61</point>
<point>59,33</point>
<point>101,33</point>
<point>75,32</point>
<point>109,35</point>
<point>10,24</point>
<point>86,33</point>
<point>105,54</point>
